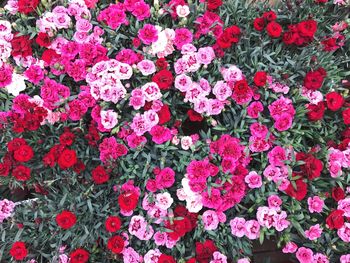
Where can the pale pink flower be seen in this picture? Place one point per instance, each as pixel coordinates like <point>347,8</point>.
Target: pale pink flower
<point>218,258</point>
<point>151,91</point>
<point>252,229</point>
<point>344,232</point>
<point>183,82</point>
<point>186,142</point>
<point>146,67</point>
<point>290,247</point>
<point>210,220</point>
<point>314,232</point>
<point>315,204</point>
<point>344,205</point>
<point>182,10</point>
<point>164,200</point>
<point>243,260</point>
<point>253,180</point>
<point>274,202</point>
<point>109,119</point>
<point>160,238</point>
<point>238,226</point>
<point>320,258</point>
<point>221,90</point>
<point>345,258</point>
<point>205,55</point>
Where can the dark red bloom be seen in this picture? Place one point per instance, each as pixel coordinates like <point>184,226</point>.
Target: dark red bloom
<point>161,63</point>
<point>314,79</point>
<point>79,255</point>
<point>270,16</point>
<point>166,259</point>
<point>334,101</point>
<point>116,244</point>
<point>316,111</point>
<point>179,228</point>
<point>299,192</point>
<point>113,224</point>
<point>128,201</point>
<point>274,29</point>
<point>214,4</point>
<point>49,55</point>
<point>43,40</point>
<point>307,28</point>
<point>335,219</point>
<point>4,169</point>
<point>260,78</point>
<point>346,116</point>
<point>27,6</point>
<point>164,114</point>
<point>312,167</point>
<point>164,79</point>
<point>23,154</point>
<point>67,138</point>
<point>21,173</point>
<point>15,144</point>
<point>67,159</point>
<point>21,46</point>
<point>234,33</point>
<point>194,116</point>
<point>205,250</point>
<point>99,175</point>
<point>259,23</point>
<point>18,250</point>
<point>66,219</point>
<point>289,37</point>
<point>338,193</point>
<point>224,41</point>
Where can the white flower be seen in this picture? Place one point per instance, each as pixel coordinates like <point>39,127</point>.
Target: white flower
<point>182,10</point>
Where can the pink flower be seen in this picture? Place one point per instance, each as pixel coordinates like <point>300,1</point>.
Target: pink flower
<point>258,130</point>
<point>238,226</point>
<point>141,11</point>
<point>314,232</point>
<point>164,200</point>
<point>344,205</point>
<point>109,119</point>
<point>218,258</point>
<point>151,185</point>
<point>148,34</point>
<point>243,260</point>
<point>252,229</point>
<point>221,90</point>
<point>135,141</point>
<point>253,180</point>
<point>130,255</point>
<point>205,55</point>
<point>182,36</point>
<point>34,74</point>
<point>290,247</point>
<point>315,204</point>
<point>283,122</point>
<point>6,209</point>
<point>320,258</point>
<point>166,178</point>
<point>344,232</point>
<point>304,255</point>
<point>160,134</point>
<point>160,238</point>
<point>146,67</point>
<point>210,220</point>
<point>277,156</point>
<point>274,202</point>
<point>5,75</point>
<point>345,258</point>
<point>254,109</point>
<point>183,82</point>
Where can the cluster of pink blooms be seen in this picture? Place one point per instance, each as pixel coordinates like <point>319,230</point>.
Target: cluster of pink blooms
<point>272,215</point>
<point>110,149</point>
<point>248,228</point>
<point>282,112</point>
<point>305,255</point>
<point>6,209</point>
<point>338,159</point>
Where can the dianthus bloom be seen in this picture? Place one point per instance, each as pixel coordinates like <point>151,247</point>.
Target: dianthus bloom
<point>148,34</point>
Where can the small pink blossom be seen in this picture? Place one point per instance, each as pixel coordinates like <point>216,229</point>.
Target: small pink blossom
<point>253,180</point>
<point>210,220</point>
<point>315,204</point>
<point>314,232</point>
<point>304,255</point>
<point>290,247</point>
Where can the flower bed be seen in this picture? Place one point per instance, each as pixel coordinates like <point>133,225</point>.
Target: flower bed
<point>178,131</point>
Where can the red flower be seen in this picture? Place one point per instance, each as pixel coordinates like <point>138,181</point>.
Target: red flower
<point>179,228</point>
<point>27,6</point>
<point>334,101</point>
<point>116,244</point>
<point>164,79</point>
<point>113,224</point>
<point>18,250</point>
<point>300,192</point>
<point>234,33</point>
<point>335,219</point>
<point>204,251</point>
<point>312,167</point>
<point>194,116</point>
<point>260,78</point>
<point>4,169</point>
<point>21,173</point>
<point>316,112</point>
<point>67,138</point>
<point>307,28</point>
<point>23,154</point>
<point>289,37</point>
<point>274,29</point>
<point>99,175</point>
<point>67,159</point>
<point>338,193</point>
<point>21,46</point>
<point>164,114</point>
<point>224,41</point>
<point>43,40</point>
<point>214,4</point>
<point>15,144</point>
<point>346,116</point>
<point>259,23</point>
<point>161,63</point>
<point>314,79</point>
<point>166,259</point>
<point>49,55</point>
<point>270,16</point>
<point>66,219</point>
<point>128,201</point>
<point>79,255</point>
